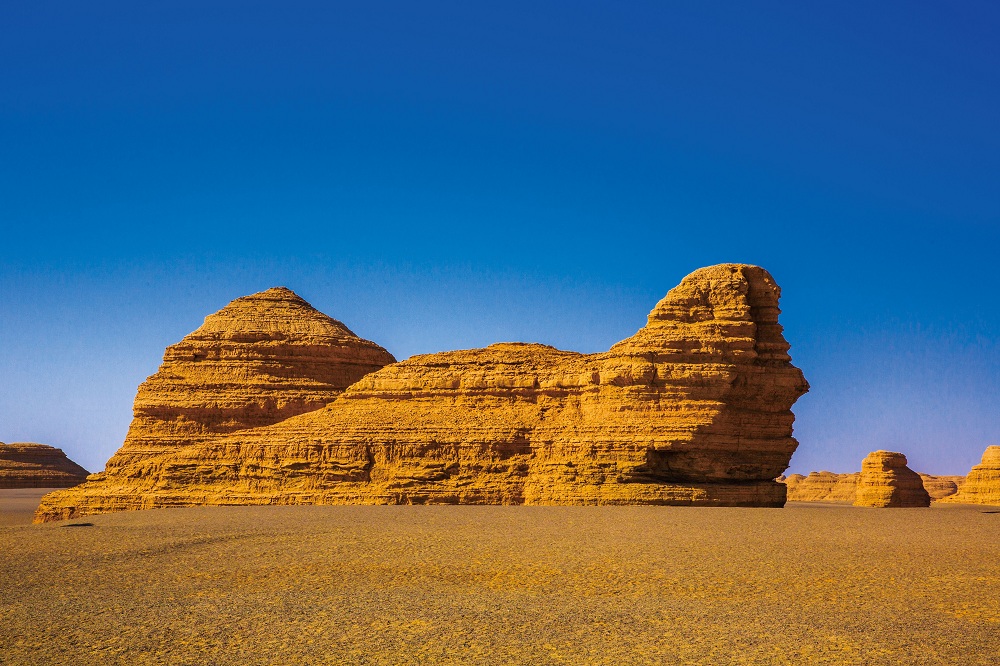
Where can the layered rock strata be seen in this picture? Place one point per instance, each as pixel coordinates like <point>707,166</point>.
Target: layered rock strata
<point>822,487</point>
<point>30,465</point>
<point>982,485</point>
<point>886,482</point>
<point>695,408</point>
<point>260,360</point>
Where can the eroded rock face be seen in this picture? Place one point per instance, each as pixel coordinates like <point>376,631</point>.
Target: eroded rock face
<point>30,465</point>
<point>982,485</point>
<point>822,487</point>
<point>695,408</point>
<point>887,482</point>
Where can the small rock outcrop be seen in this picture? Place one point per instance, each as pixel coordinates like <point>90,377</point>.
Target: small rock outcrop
<point>940,487</point>
<point>694,409</point>
<point>30,465</point>
<point>886,482</point>
<point>822,487</point>
<point>982,485</point>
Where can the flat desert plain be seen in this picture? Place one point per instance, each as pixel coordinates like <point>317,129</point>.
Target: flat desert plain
<point>487,585</point>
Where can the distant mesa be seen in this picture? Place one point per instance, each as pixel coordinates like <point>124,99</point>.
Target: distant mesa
<point>982,485</point>
<point>940,487</point>
<point>836,488</point>
<point>694,409</point>
<point>886,482</point>
<point>822,487</point>
<point>30,465</point>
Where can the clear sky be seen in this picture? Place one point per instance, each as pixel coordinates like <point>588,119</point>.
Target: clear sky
<point>443,175</point>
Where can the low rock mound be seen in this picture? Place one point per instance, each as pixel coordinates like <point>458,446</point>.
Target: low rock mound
<point>982,485</point>
<point>30,465</point>
<point>842,488</point>
<point>822,487</point>
<point>940,487</point>
<point>886,482</point>
<point>694,409</point>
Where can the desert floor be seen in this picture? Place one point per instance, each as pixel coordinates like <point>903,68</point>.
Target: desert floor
<point>486,585</point>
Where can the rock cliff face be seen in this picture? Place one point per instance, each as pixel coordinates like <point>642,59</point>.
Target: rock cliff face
<point>886,481</point>
<point>29,465</point>
<point>695,408</point>
<point>822,487</point>
<point>982,485</point>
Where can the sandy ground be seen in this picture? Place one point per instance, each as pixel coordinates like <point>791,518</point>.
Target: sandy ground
<point>490,585</point>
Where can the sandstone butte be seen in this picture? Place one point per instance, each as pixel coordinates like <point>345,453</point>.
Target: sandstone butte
<point>982,485</point>
<point>30,465</point>
<point>886,482</point>
<point>694,409</point>
<point>833,487</point>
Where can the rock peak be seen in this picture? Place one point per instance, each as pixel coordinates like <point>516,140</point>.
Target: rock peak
<point>277,313</point>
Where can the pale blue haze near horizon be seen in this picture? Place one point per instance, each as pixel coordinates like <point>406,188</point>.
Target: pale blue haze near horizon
<point>447,175</point>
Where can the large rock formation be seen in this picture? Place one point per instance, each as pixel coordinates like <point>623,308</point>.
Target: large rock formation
<point>822,487</point>
<point>886,481</point>
<point>982,485</point>
<point>30,465</point>
<point>692,409</point>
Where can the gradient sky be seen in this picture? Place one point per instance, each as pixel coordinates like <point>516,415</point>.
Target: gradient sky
<point>443,175</point>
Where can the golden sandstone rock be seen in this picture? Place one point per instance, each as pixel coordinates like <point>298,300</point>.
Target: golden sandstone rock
<point>695,408</point>
<point>886,481</point>
<point>982,485</point>
<point>30,465</point>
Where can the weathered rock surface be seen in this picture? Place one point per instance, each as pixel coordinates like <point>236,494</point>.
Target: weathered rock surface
<point>695,408</point>
<point>939,487</point>
<point>822,487</point>
<point>982,485</point>
<point>30,465</point>
<point>886,482</point>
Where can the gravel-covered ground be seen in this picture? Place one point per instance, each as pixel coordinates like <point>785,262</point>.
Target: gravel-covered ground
<point>490,585</point>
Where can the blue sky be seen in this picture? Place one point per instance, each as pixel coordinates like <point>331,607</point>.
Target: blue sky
<point>446,175</point>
